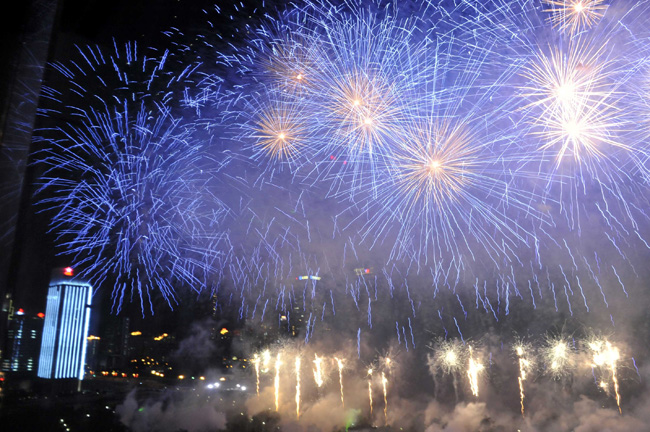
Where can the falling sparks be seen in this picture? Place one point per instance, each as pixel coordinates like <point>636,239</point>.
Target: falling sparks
<point>473,370</point>
<point>451,356</point>
<point>606,355</point>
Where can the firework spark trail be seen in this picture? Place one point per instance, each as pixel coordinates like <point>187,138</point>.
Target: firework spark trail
<point>359,340</point>
<point>339,364</point>
<point>266,360</point>
<point>451,356</point>
<point>256,363</point>
<point>524,365</point>
<point>278,364</point>
<point>384,383</point>
<point>298,387</point>
<point>370,390</point>
<point>604,354</point>
<point>474,368</point>
<point>318,373</point>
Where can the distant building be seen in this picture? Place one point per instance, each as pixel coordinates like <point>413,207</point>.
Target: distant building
<point>150,354</point>
<point>114,351</point>
<point>23,342</point>
<point>65,332</point>
<point>92,352</point>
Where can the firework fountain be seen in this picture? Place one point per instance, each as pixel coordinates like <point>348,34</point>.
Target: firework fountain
<point>339,365</point>
<point>298,387</point>
<point>370,390</point>
<point>524,366</point>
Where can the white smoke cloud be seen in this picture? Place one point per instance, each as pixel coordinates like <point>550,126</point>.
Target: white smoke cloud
<point>170,414</point>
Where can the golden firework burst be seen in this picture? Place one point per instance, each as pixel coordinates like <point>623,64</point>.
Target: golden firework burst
<point>563,79</point>
<point>364,110</point>
<point>278,132</point>
<point>575,15</point>
<point>292,64</point>
<point>438,165</point>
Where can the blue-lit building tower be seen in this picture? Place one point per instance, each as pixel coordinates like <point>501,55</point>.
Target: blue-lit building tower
<point>67,315</point>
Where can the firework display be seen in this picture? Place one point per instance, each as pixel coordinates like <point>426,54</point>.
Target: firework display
<point>451,357</point>
<point>439,163</point>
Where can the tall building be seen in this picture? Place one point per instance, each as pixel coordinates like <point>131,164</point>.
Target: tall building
<point>115,343</point>
<point>63,347</point>
<point>23,342</point>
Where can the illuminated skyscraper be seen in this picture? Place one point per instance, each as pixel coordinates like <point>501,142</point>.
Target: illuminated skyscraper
<point>63,346</point>
<point>23,342</point>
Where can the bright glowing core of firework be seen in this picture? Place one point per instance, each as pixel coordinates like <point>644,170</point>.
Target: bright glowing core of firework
<point>565,92</point>
<point>438,167</point>
<point>559,355</point>
<point>450,360</point>
<point>573,16</point>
